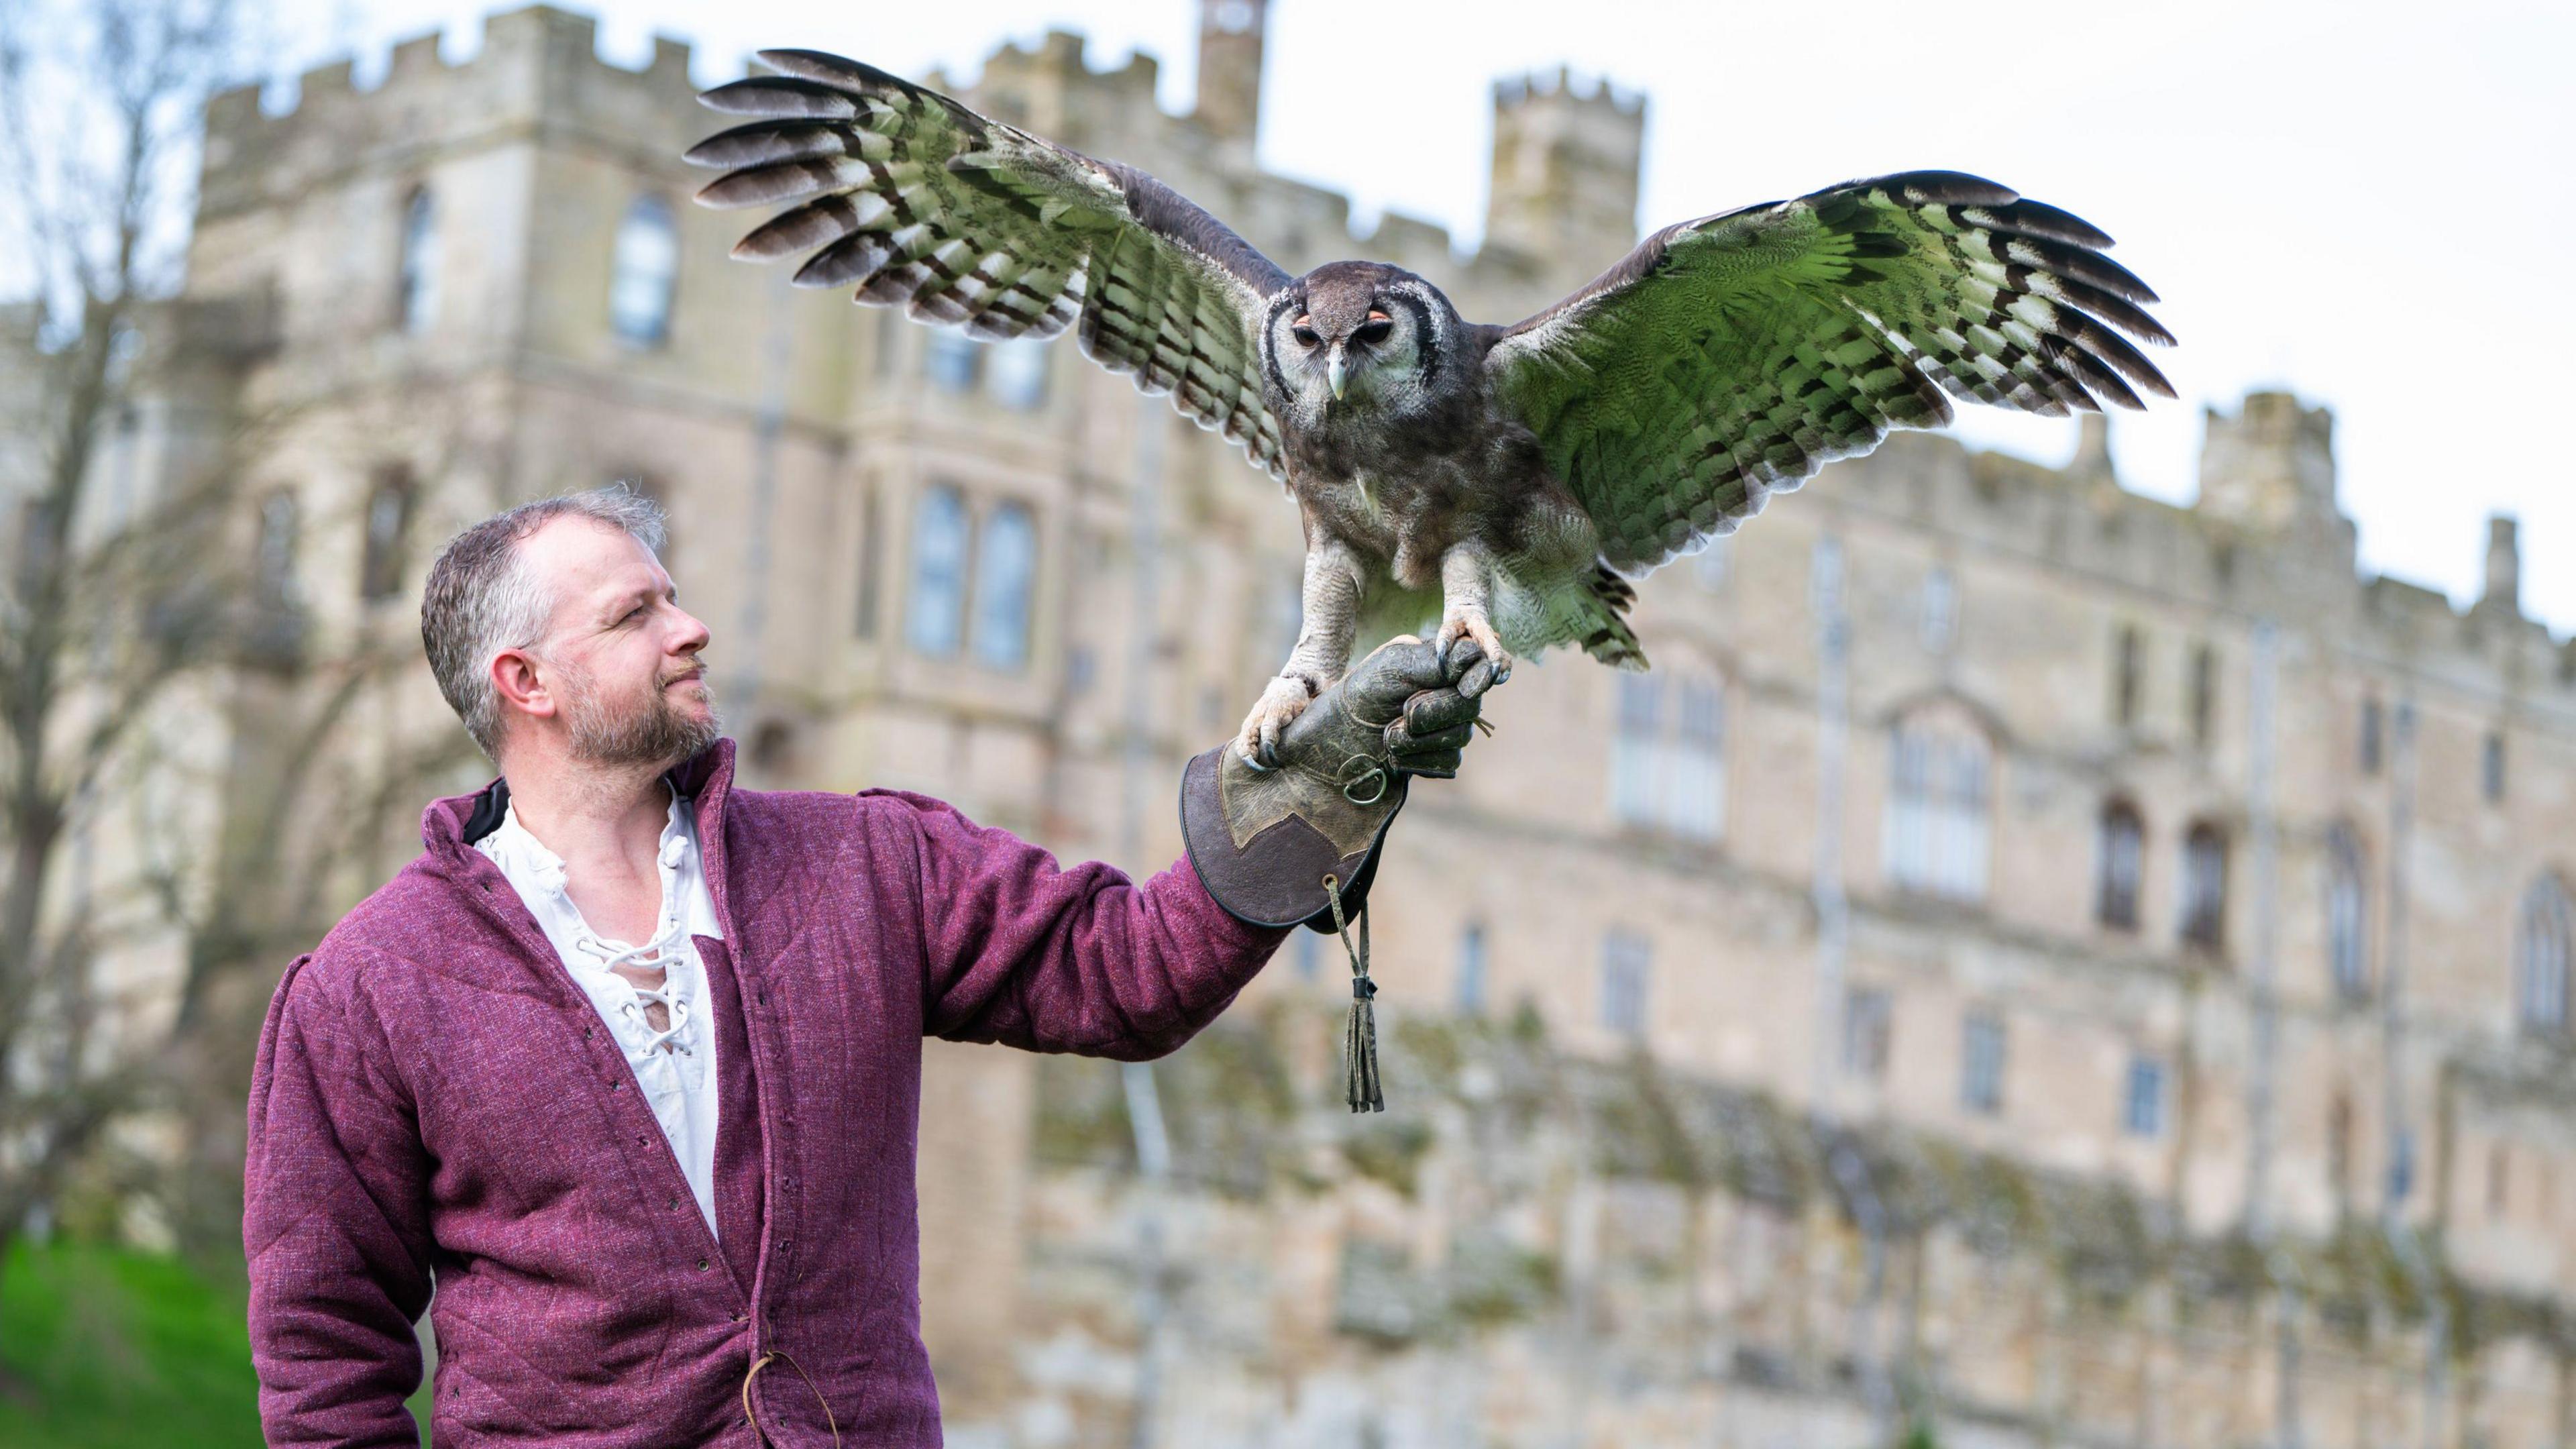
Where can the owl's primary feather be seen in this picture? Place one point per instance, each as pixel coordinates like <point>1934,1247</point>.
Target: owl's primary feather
<point>1505,482</point>
<point>1733,356</point>
<point>919,201</point>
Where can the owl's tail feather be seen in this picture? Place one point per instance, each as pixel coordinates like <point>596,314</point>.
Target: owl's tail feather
<point>1611,640</point>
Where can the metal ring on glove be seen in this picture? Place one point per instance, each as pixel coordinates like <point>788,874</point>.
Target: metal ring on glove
<point>1371,778</point>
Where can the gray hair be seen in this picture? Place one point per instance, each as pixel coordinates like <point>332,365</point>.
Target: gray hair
<point>480,600</point>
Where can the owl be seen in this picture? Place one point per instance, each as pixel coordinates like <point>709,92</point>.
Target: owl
<point>1504,484</point>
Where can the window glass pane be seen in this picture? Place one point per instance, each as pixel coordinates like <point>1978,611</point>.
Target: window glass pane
<point>643,268</point>
<point>1982,1062</point>
<point>2121,852</point>
<point>1868,1032</point>
<point>380,560</point>
<point>1004,580</point>
<point>2204,879</point>
<point>1625,962</point>
<point>1634,749</point>
<point>1471,970</point>
<point>2145,1112</point>
<point>1016,373</point>
<point>1940,609</point>
<point>2345,941</point>
<point>416,305</point>
<point>2541,949</point>
<point>937,607</point>
<point>1710,566</point>
<point>952,359</point>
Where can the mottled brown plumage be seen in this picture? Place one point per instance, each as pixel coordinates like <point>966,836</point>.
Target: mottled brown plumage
<point>1500,484</point>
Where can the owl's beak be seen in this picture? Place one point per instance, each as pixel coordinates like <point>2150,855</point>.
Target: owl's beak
<point>1336,374</point>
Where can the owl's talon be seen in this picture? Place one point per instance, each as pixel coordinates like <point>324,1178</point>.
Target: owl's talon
<point>1476,627</point>
<point>1282,701</point>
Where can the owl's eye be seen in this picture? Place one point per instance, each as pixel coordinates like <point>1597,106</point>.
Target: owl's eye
<point>1304,333</point>
<point>1374,330</point>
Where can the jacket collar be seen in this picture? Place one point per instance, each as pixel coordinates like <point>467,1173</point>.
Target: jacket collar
<point>450,826</point>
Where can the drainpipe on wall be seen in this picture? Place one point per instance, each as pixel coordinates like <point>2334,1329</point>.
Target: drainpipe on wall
<point>2399,1179</point>
<point>777,353</point>
<point>1832,906</point>
<point>2260,1106</point>
<point>1136,775</point>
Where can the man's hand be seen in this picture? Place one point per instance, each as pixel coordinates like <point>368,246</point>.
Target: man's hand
<point>1400,711</point>
<point>1266,837</point>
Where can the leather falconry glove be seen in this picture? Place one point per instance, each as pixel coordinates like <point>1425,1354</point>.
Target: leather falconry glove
<point>1265,839</point>
<point>1295,839</point>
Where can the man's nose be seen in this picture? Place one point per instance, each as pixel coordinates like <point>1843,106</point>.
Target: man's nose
<point>692,636</point>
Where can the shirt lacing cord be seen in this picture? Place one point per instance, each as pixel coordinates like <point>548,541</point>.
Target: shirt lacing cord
<point>669,994</point>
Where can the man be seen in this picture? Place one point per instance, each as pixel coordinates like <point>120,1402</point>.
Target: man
<point>627,1063</point>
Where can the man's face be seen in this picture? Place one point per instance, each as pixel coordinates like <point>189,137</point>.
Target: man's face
<point>620,653</point>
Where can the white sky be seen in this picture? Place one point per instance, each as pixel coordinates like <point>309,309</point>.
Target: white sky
<point>2370,203</point>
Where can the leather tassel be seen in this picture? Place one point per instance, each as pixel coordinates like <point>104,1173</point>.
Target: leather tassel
<point>1359,1040</point>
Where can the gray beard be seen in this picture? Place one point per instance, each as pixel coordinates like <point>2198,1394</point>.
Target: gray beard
<point>646,731</point>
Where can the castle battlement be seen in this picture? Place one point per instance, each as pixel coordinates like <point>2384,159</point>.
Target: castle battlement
<point>536,64</point>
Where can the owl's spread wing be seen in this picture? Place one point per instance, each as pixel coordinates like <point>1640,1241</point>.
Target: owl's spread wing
<point>920,201</point>
<point>1732,356</point>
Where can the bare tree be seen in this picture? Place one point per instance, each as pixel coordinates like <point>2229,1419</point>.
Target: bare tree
<point>105,600</point>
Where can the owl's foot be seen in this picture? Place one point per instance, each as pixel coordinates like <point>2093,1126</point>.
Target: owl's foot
<point>1472,624</point>
<point>1286,698</point>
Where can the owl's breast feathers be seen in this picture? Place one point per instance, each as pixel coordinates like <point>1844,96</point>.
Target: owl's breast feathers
<point>1403,492</point>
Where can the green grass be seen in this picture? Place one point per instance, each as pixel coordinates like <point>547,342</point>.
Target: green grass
<point>105,1347</point>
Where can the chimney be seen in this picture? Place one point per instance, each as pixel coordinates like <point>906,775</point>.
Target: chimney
<point>2092,461</point>
<point>2504,563</point>
<point>1230,33</point>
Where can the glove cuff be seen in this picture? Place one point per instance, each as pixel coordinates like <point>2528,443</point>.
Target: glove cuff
<point>1262,842</point>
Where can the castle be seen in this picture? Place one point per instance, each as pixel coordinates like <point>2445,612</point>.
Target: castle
<point>2031,962</point>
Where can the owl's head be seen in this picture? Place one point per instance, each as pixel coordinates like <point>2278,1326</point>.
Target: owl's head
<point>1362,339</point>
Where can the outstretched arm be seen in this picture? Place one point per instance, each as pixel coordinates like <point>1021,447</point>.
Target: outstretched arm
<point>1024,951</point>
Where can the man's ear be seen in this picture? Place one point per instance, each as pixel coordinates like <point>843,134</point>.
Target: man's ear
<point>516,679</point>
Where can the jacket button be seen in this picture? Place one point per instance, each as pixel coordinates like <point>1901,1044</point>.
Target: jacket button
<point>675,1204</point>
<point>702,1265</point>
<point>617,1086</point>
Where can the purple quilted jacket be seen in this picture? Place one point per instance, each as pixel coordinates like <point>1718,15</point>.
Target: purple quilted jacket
<point>435,1101</point>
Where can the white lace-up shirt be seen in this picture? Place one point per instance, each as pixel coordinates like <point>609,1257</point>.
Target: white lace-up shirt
<point>675,1066</point>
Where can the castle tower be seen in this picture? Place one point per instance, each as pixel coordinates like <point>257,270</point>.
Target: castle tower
<point>1565,170</point>
<point>1230,36</point>
<point>2270,465</point>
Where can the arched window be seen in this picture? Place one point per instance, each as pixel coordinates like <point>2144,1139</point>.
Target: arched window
<point>2347,923</point>
<point>1935,835</point>
<point>2204,887</point>
<point>642,270</point>
<point>2122,853</point>
<point>2541,948</point>
<point>416,278</point>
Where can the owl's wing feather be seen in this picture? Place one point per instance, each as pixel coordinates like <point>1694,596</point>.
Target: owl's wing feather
<point>963,220</point>
<point>1731,357</point>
